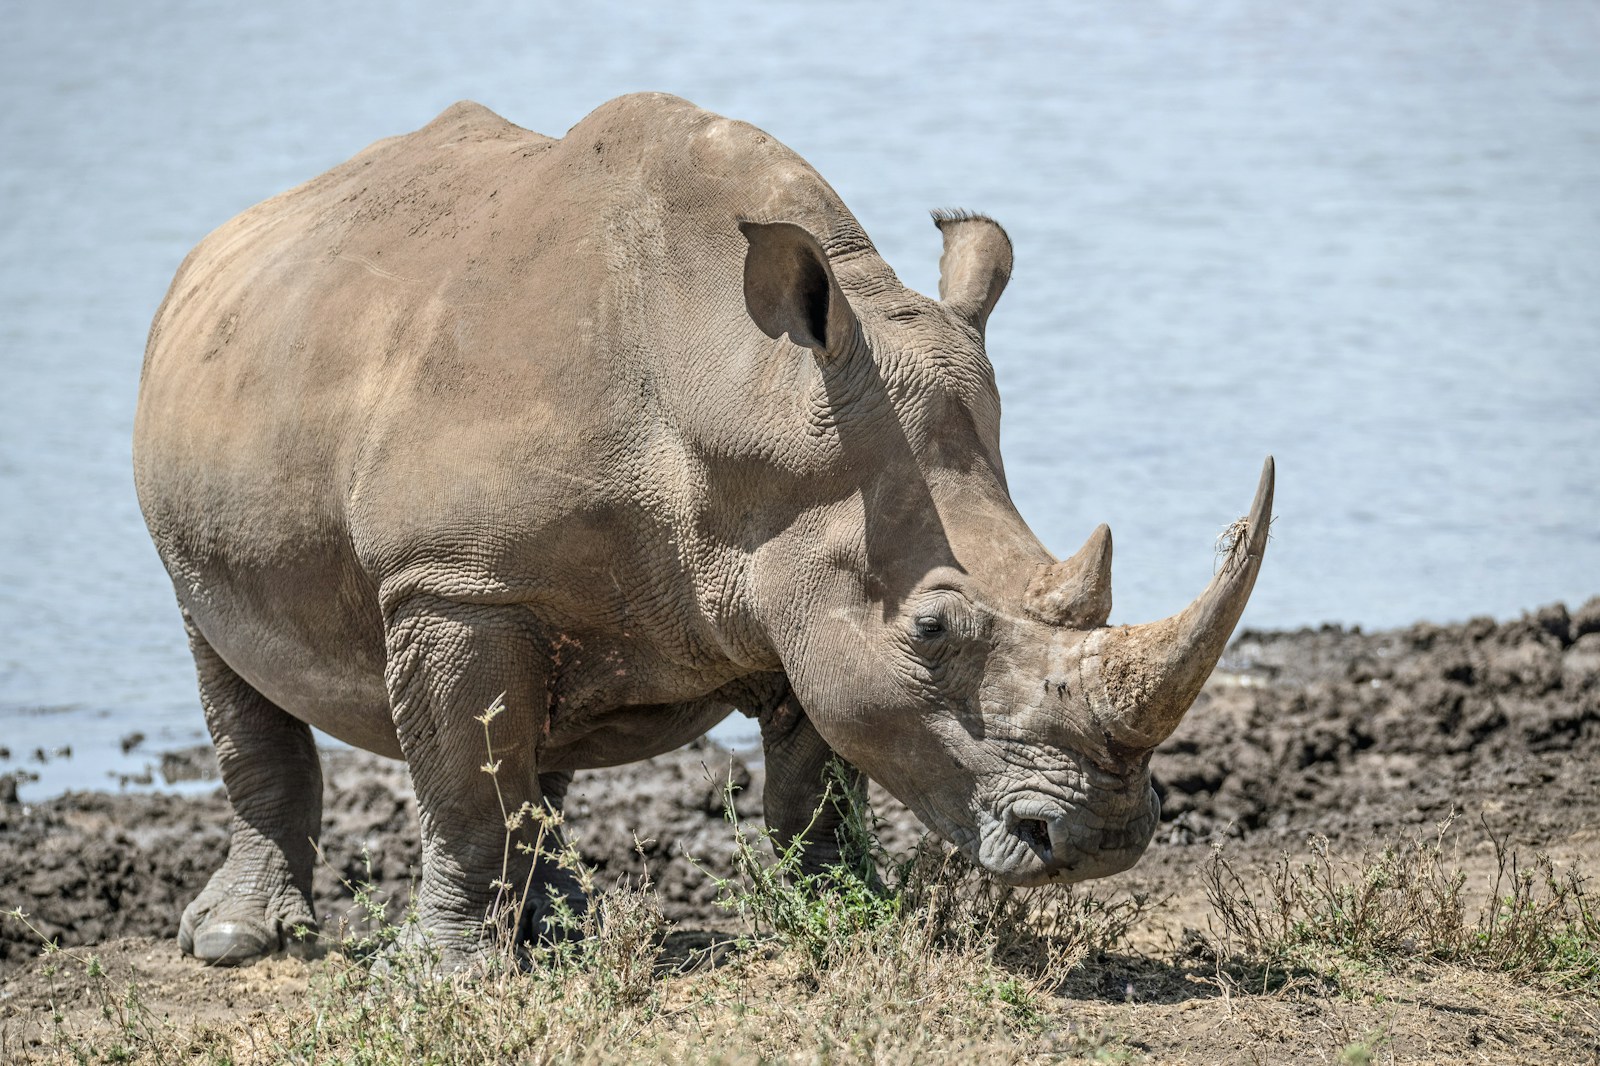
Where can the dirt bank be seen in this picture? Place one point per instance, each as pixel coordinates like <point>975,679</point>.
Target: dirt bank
<point>1330,731</point>
<point>1339,732</point>
<point>1326,730</point>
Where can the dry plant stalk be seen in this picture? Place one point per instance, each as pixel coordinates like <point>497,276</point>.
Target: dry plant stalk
<point>1404,903</point>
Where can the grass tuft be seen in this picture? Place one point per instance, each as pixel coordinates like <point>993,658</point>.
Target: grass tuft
<point>1404,903</point>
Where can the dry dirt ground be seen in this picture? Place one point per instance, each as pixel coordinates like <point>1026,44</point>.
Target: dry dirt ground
<point>1361,739</point>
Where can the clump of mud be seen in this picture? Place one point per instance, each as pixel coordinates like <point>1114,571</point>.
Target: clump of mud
<point>1327,730</point>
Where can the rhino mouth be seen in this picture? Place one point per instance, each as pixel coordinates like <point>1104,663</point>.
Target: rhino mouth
<point>1035,840</point>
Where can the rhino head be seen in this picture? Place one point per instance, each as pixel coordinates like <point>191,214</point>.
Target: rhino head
<point>932,640</point>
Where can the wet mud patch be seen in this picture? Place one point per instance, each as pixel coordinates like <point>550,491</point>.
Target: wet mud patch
<point>1338,732</point>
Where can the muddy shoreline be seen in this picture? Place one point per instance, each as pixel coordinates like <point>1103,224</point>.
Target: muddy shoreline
<point>1329,731</point>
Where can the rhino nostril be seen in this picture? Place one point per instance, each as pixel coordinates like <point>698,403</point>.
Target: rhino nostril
<point>1034,831</point>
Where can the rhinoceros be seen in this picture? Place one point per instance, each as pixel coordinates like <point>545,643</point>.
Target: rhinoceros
<point>627,430</point>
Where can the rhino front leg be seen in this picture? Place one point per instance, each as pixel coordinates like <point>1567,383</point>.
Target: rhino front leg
<point>808,791</point>
<point>447,663</point>
<point>274,782</point>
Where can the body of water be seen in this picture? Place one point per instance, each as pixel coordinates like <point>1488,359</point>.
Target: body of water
<point>1363,237</point>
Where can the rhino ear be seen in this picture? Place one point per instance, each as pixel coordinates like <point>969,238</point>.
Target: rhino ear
<point>975,266</point>
<point>789,287</point>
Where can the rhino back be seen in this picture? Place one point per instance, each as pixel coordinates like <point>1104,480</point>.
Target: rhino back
<point>476,361</point>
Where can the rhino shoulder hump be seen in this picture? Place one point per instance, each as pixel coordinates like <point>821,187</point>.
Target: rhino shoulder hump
<point>467,120</point>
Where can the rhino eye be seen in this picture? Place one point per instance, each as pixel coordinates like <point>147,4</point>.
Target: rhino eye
<point>929,626</point>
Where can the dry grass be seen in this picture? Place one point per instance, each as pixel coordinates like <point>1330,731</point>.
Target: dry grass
<point>1404,904</point>
<point>896,959</point>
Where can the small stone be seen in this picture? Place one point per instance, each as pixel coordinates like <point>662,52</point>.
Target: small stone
<point>191,764</point>
<point>1553,619</point>
<point>1586,619</point>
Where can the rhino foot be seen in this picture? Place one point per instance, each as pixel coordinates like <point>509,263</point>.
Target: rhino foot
<point>440,942</point>
<point>555,911</point>
<point>223,927</point>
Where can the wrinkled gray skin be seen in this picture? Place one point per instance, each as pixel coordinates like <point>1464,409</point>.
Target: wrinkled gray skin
<point>636,428</point>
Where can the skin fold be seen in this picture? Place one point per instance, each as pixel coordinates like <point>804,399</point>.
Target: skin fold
<point>628,429</point>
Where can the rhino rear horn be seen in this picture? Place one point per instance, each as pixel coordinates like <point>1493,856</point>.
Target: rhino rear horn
<point>1075,592</point>
<point>1143,678</point>
<point>975,266</point>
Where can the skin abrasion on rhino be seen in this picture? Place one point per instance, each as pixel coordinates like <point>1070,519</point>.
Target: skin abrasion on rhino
<point>636,428</point>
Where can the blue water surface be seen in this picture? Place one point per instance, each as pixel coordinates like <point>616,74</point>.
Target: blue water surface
<point>1363,237</point>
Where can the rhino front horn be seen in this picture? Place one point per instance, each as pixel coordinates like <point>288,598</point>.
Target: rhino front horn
<point>1143,678</point>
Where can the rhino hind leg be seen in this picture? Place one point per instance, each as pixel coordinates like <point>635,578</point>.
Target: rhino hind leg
<point>262,893</point>
<point>808,793</point>
<point>447,663</point>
